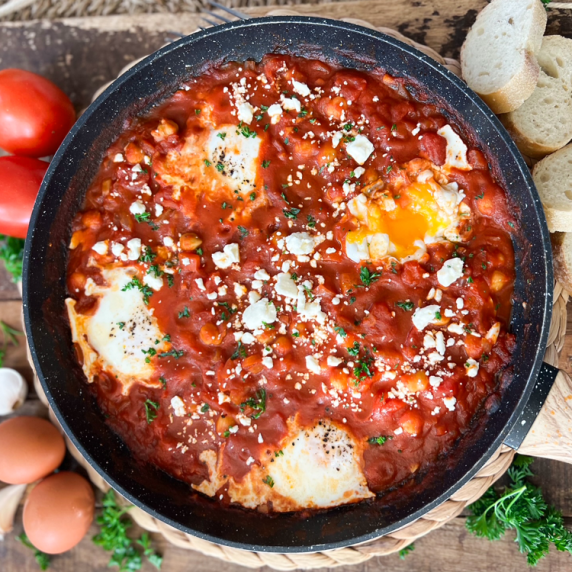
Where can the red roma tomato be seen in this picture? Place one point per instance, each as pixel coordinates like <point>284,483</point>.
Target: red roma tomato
<point>20,180</point>
<point>35,115</point>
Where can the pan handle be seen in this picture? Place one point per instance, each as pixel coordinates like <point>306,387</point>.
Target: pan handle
<point>545,426</point>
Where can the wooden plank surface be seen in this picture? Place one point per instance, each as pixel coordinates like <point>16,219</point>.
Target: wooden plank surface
<point>82,54</point>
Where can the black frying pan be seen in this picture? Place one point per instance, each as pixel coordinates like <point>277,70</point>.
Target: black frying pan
<point>45,261</point>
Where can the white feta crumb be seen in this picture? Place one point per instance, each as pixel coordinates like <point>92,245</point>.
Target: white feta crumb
<point>300,243</point>
<point>301,88</point>
<point>336,138</point>
<point>101,247</point>
<point>178,406</point>
<point>137,207</point>
<point>450,272</point>
<point>360,149</point>
<point>261,275</point>
<point>201,285</point>
<point>313,364</point>
<point>285,286</point>
<point>358,172</point>
<point>116,248</point>
<point>334,361</point>
<point>422,317</point>
<point>118,158</point>
<point>258,314</point>
<point>158,210</point>
<point>291,104</point>
<point>155,282</point>
<point>245,112</point>
<point>460,303</point>
<point>268,362</point>
<point>239,290</point>
<point>450,403</point>
<point>275,112</point>
<point>472,367</point>
<point>229,255</point>
<point>134,248</point>
<point>398,431</point>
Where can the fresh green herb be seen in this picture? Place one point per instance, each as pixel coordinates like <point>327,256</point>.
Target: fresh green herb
<point>227,306</point>
<point>303,113</point>
<point>340,331</point>
<point>268,326</point>
<point>393,267</point>
<point>378,440</point>
<point>258,404</point>
<point>407,306</point>
<point>149,353</point>
<point>155,271</point>
<point>308,292</point>
<point>354,350</point>
<point>363,368</point>
<point>438,315</point>
<point>143,217</point>
<point>148,255</point>
<point>268,480</point>
<point>511,224</point>
<point>294,276</point>
<point>172,353</point>
<point>348,127</point>
<point>367,277</point>
<point>389,169</point>
<point>252,196</point>
<point>352,299</point>
<point>245,131</point>
<point>151,408</point>
<point>135,283</point>
<point>296,334</point>
<point>279,453</point>
<point>170,280</point>
<point>311,221</point>
<point>243,232</point>
<point>221,135</point>
<point>265,164</point>
<point>163,382</point>
<point>220,167</point>
<point>121,325</point>
<point>286,141</point>
<point>292,213</point>
<point>481,196</point>
<point>42,559</point>
<point>113,537</point>
<point>520,507</point>
<point>12,253</point>
<point>205,408</point>
<point>405,551</point>
<point>470,280</point>
<point>197,111</point>
<point>207,163</point>
<point>239,352</point>
<point>185,313</point>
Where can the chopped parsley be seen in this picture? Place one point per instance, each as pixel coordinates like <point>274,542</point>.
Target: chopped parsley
<point>121,325</point>
<point>265,164</point>
<point>268,480</point>
<point>170,280</point>
<point>148,255</point>
<point>311,221</point>
<point>227,306</point>
<point>151,408</point>
<point>149,353</point>
<point>354,350</point>
<point>378,440</point>
<point>205,408</point>
<point>340,331</point>
<point>258,404</point>
<point>268,326</point>
<point>292,213</point>
<point>220,167</point>
<point>438,315</point>
<point>243,231</point>
<point>367,277</point>
<point>239,352</point>
<point>207,163</point>
<point>185,313</point>
<point>163,382</point>
<point>245,131</point>
<point>221,135</point>
<point>155,271</point>
<point>481,196</point>
<point>143,217</point>
<point>252,196</point>
<point>173,353</point>
<point>362,368</point>
<point>135,283</point>
<point>407,306</point>
<point>352,299</point>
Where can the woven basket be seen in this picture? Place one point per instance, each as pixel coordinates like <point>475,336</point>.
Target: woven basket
<point>472,491</point>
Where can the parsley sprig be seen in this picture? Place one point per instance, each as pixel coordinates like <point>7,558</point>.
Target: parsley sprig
<point>520,507</point>
<point>12,253</point>
<point>367,276</point>
<point>136,284</point>
<point>113,537</point>
<point>257,403</point>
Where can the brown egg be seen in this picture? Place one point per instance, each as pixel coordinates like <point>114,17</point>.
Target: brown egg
<point>58,512</point>
<point>30,448</point>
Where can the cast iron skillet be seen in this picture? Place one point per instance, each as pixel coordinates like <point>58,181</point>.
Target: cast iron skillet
<point>45,259</point>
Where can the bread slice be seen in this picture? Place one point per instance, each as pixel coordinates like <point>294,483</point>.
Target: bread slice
<point>498,58</point>
<point>562,255</point>
<point>553,179</point>
<point>543,124</point>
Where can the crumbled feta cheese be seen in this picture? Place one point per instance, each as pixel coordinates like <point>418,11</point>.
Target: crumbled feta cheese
<point>245,112</point>
<point>258,314</point>
<point>268,362</point>
<point>285,286</point>
<point>137,208</point>
<point>134,248</point>
<point>261,275</point>
<point>460,303</point>
<point>360,149</point>
<point>398,431</point>
<point>155,282</point>
<point>358,172</point>
<point>334,361</point>
<point>168,242</point>
<point>435,381</point>
<point>178,406</point>
<point>201,285</point>
<point>101,247</point>
<point>301,88</point>
<point>253,297</point>
<point>158,210</point>
<point>249,461</point>
<point>313,364</point>
<point>422,317</point>
<point>116,248</point>
<point>472,367</point>
<point>275,112</point>
<point>336,138</point>
<point>450,403</point>
<point>456,149</point>
<point>300,243</point>
<point>455,329</point>
<point>229,255</point>
<point>291,104</point>
<point>239,290</point>
<point>248,338</point>
<point>450,272</point>
<point>118,158</point>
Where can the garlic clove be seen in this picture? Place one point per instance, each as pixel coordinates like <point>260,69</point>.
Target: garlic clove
<point>13,390</point>
<point>10,497</point>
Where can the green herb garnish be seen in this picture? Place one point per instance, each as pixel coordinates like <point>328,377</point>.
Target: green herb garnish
<point>151,408</point>
<point>407,306</point>
<point>292,213</point>
<point>367,277</point>
<point>257,403</point>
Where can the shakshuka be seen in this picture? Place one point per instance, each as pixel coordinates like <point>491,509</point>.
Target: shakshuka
<point>290,284</point>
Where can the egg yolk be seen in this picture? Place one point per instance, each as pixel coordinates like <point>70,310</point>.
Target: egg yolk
<point>408,217</point>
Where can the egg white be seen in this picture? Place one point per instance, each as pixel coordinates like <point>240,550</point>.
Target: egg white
<point>113,337</point>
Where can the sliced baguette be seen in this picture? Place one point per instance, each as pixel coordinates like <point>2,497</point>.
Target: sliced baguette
<point>543,124</point>
<point>498,58</point>
<point>553,179</point>
<point>562,255</point>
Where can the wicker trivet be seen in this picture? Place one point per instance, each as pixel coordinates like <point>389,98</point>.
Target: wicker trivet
<point>472,491</point>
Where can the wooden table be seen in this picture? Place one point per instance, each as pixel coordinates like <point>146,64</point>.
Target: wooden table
<point>82,54</point>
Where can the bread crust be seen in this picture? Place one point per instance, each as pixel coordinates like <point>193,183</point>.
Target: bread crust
<point>561,241</point>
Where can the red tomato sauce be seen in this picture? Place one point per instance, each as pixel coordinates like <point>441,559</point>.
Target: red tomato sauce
<point>403,431</point>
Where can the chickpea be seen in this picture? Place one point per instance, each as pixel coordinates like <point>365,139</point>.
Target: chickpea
<point>224,423</point>
<point>498,280</point>
<point>190,241</point>
<point>211,336</point>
